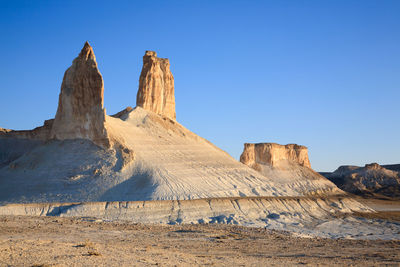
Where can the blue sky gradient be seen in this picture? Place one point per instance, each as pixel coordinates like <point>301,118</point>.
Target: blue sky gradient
<point>325,74</point>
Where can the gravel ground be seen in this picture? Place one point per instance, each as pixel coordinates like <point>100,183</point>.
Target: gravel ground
<point>54,241</point>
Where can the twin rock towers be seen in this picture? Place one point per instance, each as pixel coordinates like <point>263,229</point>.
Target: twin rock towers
<point>80,112</point>
<point>81,115</point>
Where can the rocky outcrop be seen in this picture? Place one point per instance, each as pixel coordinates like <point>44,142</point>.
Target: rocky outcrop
<point>80,112</point>
<point>392,167</point>
<point>288,165</point>
<point>156,86</point>
<point>150,155</point>
<point>40,133</point>
<point>14,144</point>
<point>371,180</point>
<point>4,131</point>
<point>273,154</point>
<point>122,113</point>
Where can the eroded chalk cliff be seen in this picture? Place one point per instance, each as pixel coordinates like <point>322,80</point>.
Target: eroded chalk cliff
<point>273,154</point>
<point>288,165</point>
<point>149,155</point>
<point>156,86</point>
<point>80,112</point>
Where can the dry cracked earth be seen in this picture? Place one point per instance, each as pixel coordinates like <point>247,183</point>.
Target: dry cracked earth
<point>55,241</point>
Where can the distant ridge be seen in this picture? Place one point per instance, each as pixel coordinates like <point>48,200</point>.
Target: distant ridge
<point>372,180</point>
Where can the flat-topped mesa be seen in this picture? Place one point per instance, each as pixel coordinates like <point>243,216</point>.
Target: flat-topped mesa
<point>273,154</point>
<point>156,86</point>
<point>80,112</point>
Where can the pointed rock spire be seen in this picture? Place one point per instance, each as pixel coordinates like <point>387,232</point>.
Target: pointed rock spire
<point>80,112</point>
<point>156,86</point>
<point>87,52</point>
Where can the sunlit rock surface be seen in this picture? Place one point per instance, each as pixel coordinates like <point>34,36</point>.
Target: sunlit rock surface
<point>156,86</point>
<point>80,112</point>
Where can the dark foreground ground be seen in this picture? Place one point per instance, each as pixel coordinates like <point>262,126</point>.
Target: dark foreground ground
<point>54,241</point>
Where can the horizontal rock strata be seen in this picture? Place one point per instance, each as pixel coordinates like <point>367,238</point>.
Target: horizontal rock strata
<point>271,154</point>
<point>288,165</point>
<point>258,211</point>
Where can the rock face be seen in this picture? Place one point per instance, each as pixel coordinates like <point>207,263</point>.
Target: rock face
<point>80,112</point>
<point>370,180</point>
<point>156,86</point>
<point>271,154</point>
<point>40,133</point>
<point>150,156</point>
<point>392,167</point>
<point>122,113</point>
<point>288,165</point>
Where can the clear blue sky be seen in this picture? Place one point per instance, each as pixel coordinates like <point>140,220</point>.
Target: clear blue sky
<point>325,74</point>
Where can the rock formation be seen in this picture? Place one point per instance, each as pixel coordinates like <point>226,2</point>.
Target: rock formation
<point>150,156</point>
<point>3,131</point>
<point>370,180</point>
<point>122,113</point>
<point>40,133</point>
<point>156,86</point>
<point>392,167</point>
<point>80,112</point>
<point>271,154</point>
<point>288,165</point>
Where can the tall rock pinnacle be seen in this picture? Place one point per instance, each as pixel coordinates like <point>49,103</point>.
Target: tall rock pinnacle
<point>80,112</point>
<point>156,86</point>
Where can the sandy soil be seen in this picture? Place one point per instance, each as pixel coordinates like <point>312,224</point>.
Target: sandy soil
<point>51,241</point>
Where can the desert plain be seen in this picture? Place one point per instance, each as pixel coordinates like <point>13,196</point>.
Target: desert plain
<point>58,241</point>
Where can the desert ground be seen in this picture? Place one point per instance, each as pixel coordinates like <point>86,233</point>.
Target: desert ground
<point>58,241</point>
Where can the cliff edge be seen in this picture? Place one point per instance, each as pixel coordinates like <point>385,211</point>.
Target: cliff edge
<point>289,165</point>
